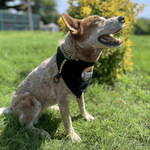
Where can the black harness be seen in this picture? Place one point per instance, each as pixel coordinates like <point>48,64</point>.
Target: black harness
<point>72,73</point>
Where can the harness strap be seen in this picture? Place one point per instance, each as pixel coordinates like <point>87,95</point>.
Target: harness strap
<point>56,78</point>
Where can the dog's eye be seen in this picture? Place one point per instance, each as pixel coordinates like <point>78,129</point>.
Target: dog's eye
<point>97,21</point>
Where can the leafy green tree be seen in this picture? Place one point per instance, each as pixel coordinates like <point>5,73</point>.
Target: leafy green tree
<point>46,8</point>
<point>142,26</point>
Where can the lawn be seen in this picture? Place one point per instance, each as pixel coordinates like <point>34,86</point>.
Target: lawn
<point>122,114</point>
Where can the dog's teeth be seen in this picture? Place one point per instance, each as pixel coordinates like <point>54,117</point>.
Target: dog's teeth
<point>105,40</point>
<point>117,40</point>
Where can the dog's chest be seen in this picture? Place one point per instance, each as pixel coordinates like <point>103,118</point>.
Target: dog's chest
<point>76,74</point>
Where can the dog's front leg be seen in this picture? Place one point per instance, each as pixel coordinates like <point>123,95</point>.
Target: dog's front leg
<point>66,118</point>
<point>82,108</point>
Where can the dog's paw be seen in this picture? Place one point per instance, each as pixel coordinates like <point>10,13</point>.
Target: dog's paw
<point>45,134</point>
<point>40,132</point>
<point>2,110</point>
<point>88,116</point>
<point>75,137</point>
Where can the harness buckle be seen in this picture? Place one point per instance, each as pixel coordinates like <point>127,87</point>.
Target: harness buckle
<point>56,80</point>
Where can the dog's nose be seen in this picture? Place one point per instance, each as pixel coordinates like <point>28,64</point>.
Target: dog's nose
<point>121,19</point>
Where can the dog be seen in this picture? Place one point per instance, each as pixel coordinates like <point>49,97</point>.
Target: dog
<point>47,84</point>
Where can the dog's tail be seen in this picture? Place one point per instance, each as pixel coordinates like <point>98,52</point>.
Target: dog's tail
<point>7,110</point>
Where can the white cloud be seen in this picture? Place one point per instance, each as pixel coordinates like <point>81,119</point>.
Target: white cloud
<point>15,2</point>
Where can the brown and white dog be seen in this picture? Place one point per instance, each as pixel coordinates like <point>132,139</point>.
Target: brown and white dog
<point>85,41</point>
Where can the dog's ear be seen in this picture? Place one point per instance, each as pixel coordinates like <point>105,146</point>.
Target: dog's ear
<point>73,25</point>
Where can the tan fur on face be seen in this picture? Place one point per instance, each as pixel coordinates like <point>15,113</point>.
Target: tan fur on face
<point>38,91</point>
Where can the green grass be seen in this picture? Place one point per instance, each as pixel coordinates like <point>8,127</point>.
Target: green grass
<point>122,114</point>
<point>141,53</point>
<point>20,53</point>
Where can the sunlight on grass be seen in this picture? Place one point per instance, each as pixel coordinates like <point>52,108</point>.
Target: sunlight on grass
<point>141,53</point>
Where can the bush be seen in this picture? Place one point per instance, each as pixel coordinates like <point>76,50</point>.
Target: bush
<point>113,61</point>
<point>142,26</point>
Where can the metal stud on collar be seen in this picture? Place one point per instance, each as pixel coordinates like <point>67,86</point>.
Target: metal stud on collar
<point>69,54</point>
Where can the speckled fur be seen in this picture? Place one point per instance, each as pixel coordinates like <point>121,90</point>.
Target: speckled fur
<point>39,91</point>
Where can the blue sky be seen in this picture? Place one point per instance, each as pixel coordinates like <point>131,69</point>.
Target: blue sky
<point>62,6</point>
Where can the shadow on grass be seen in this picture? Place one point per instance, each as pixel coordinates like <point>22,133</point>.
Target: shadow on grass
<point>75,118</point>
<point>16,136</point>
<point>49,123</point>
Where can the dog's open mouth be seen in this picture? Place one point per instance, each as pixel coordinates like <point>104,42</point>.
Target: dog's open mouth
<point>108,40</point>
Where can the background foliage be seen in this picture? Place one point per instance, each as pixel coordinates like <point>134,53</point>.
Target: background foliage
<point>46,8</point>
<point>112,61</point>
<point>142,26</point>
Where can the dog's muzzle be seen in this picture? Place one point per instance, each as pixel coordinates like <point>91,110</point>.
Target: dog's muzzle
<point>108,40</point>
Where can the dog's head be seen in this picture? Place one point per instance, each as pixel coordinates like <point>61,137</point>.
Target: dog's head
<point>95,30</point>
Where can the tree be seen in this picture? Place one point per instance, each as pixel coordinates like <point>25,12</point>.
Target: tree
<point>46,8</point>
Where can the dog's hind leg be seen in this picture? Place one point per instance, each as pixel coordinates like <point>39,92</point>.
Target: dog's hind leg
<point>83,110</point>
<point>28,109</point>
